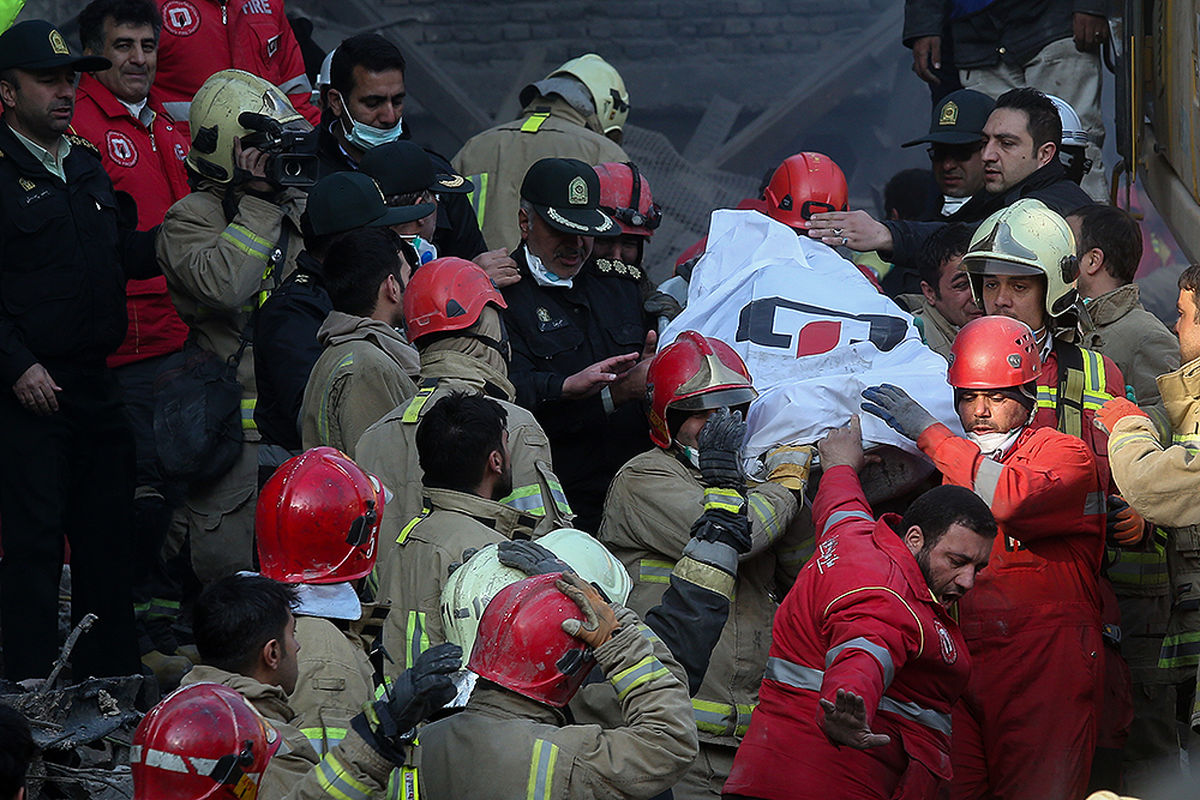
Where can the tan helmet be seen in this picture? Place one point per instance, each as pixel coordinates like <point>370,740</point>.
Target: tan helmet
<point>607,88</point>
<point>1026,238</point>
<point>214,119</point>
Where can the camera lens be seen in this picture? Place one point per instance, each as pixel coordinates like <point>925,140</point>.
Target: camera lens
<point>293,169</point>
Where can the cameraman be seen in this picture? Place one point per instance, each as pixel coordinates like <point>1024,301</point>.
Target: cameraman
<point>224,248</point>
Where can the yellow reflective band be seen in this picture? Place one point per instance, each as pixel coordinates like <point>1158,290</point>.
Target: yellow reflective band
<point>725,499</point>
<point>527,500</point>
<point>337,781</point>
<point>248,423</point>
<point>324,739</point>
<point>412,523</point>
<point>412,414</point>
<point>560,498</point>
<point>535,122</point>
<point>640,673</point>
<point>410,788</point>
<point>247,241</point>
<point>541,770</point>
<point>418,638</point>
<point>1125,438</point>
<point>1180,650</point>
<point>715,718</point>
<point>478,196</point>
<point>765,515</point>
<point>744,714</point>
<point>654,571</point>
<point>705,576</point>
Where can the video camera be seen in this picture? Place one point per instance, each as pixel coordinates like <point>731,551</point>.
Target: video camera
<point>291,154</point>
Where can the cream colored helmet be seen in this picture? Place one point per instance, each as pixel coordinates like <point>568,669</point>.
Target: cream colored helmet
<point>607,88</point>
<point>1026,238</point>
<point>213,119</point>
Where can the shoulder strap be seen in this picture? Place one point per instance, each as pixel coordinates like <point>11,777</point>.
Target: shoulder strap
<point>1071,384</point>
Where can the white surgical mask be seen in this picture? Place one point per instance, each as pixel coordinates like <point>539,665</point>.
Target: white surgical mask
<point>691,454</point>
<point>995,444</point>
<point>366,137</point>
<point>542,275</point>
<point>426,251</point>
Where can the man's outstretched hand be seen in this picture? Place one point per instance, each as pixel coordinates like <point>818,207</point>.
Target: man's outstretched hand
<point>845,722</point>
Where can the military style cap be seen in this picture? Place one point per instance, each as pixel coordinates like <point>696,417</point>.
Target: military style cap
<point>405,168</point>
<point>958,119</point>
<point>566,194</point>
<point>36,44</point>
<point>347,200</point>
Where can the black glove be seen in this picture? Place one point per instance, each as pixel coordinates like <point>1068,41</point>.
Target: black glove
<point>716,525</point>
<point>720,446</point>
<point>416,693</point>
<point>530,557</point>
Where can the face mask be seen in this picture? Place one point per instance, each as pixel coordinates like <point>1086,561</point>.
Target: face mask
<point>543,276</point>
<point>365,137</point>
<point>426,251</point>
<point>692,455</point>
<point>990,443</point>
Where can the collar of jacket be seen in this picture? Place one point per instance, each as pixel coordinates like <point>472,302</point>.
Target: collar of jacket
<point>503,519</point>
<point>1108,308</point>
<point>1180,392</point>
<point>890,543</point>
<point>984,204</point>
<point>452,366</point>
<point>932,317</point>
<point>561,109</point>
<point>496,701</point>
<point>339,328</point>
<point>12,150</point>
<point>268,700</point>
<point>107,102</point>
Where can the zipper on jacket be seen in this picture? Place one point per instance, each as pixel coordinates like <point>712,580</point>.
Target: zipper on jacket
<point>224,13</point>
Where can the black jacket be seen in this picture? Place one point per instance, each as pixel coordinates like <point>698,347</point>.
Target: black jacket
<point>65,252</point>
<point>285,350</point>
<point>555,333</point>
<point>1049,184</point>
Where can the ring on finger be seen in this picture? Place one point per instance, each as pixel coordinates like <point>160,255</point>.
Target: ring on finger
<point>837,231</point>
<point>844,241</point>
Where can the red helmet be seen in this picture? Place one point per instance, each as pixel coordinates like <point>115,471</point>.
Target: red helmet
<point>521,644</point>
<point>203,741</point>
<point>694,373</point>
<point>447,294</point>
<point>994,353</point>
<point>625,196</point>
<point>317,519</point>
<point>803,185</point>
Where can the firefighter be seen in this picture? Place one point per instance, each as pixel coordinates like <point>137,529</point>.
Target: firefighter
<point>646,524</point>
<point>317,526</point>
<point>452,314</point>
<point>223,249</point>
<point>538,641</point>
<point>1028,724</point>
<point>853,661</point>
<point>625,196</point>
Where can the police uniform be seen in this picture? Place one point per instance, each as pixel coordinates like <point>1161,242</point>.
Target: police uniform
<point>64,258</point>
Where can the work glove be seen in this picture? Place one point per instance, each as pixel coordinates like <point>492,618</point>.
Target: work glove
<point>415,694</point>
<point>789,466</point>
<point>464,558</point>
<point>599,622</point>
<point>1124,526</point>
<point>893,405</point>
<point>719,525</point>
<point>661,304</point>
<point>530,557</point>
<point>1115,410</point>
<point>720,446</point>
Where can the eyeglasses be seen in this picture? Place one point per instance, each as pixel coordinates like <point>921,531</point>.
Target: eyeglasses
<point>957,152</point>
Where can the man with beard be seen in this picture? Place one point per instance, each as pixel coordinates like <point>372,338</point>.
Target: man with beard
<point>580,345</point>
<point>853,657</point>
<point>1028,723</point>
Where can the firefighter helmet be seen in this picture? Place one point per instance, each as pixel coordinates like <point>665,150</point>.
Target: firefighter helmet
<point>203,741</point>
<point>447,294</point>
<point>472,586</point>
<point>694,373</point>
<point>214,119</point>
<point>803,185</point>
<point>1026,238</point>
<point>625,196</point>
<point>994,353</point>
<point>318,519</point>
<point>521,644</point>
<point>606,87</point>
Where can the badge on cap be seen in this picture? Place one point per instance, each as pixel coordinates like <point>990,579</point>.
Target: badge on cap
<point>577,194</point>
<point>58,45</point>
<point>949,114</point>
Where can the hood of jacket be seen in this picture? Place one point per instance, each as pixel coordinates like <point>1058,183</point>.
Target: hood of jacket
<point>339,328</point>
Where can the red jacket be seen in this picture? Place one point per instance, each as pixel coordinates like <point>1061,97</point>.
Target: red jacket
<point>200,37</point>
<point>860,617</point>
<point>1049,507</point>
<point>147,163</point>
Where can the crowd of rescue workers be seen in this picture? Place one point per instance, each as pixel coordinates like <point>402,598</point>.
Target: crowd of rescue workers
<point>374,461</point>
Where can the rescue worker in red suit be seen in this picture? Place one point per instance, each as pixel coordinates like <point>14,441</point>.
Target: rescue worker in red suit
<point>866,660</point>
<point>203,37</point>
<point>142,150</point>
<point>1027,726</point>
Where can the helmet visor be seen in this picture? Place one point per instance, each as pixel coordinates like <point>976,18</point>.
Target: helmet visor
<point>731,396</point>
<point>998,266</point>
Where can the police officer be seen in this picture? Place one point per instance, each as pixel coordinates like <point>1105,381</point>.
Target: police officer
<point>576,334</point>
<point>64,258</point>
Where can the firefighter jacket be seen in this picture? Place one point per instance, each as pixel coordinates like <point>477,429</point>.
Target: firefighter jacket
<point>65,252</point>
<point>936,331</point>
<point>497,159</point>
<point>202,37</point>
<point>388,449</point>
<point>860,617</point>
<point>449,524</point>
<point>1160,483</point>
<point>352,770</point>
<point>648,515</point>
<point>366,370</point>
<point>556,332</point>
<point>145,161</point>
<point>336,679</point>
<point>526,749</point>
<point>219,270</point>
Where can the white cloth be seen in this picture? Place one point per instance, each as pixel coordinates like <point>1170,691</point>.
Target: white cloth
<point>328,600</point>
<point>812,330</point>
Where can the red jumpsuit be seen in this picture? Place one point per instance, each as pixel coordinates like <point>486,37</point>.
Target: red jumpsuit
<point>200,37</point>
<point>1027,725</point>
<point>147,163</point>
<point>860,617</point>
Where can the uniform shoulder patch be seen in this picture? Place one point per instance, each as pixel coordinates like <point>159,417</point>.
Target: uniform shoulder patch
<point>611,267</point>
<point>78,141</point>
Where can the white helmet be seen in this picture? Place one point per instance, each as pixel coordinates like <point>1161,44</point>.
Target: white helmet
<point>592,560</point>
<point>323,79</point>
<point>1073,132</point>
